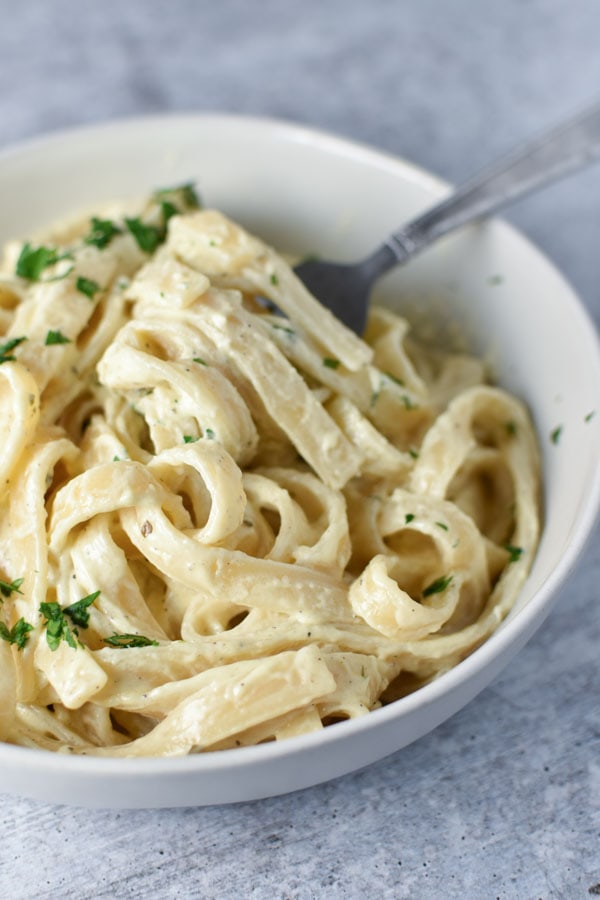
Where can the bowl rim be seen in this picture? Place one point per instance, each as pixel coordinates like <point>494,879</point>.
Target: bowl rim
<point>524,622</point>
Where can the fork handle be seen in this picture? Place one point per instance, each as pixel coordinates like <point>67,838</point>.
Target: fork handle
<point>546,159</point>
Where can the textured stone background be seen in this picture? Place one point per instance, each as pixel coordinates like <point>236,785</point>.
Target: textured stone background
<point>503,800</point>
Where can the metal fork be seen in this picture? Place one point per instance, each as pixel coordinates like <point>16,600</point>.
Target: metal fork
<point>345,287</point>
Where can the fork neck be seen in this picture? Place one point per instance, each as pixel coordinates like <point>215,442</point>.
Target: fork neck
<point>395,250</point>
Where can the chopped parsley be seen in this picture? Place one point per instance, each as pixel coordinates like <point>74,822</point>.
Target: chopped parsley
<point>186,193</point>
<point>11,587</point>
<point>102,231</point>
<point>394,379</point>
<point>274,279</point>
<point>408,518</point>
<point>18,634</point>
<point>78,612</point>
<point>56,337</point>
<point>589,416</point>
<point>125,641</point>
<point>5,349</point>
<point>168,210</point>
<point>87,286</point>
<point>210,434</point>
<point>330,362</point>
<point>199,359</point>
<point>57,627</point>
<point>413,453</point>
<point>442,526</point>
<point>511,428</point>
<point>437,586</point>
<point>190,439</point>
<point>515,553</point>
<point>555,435</point>
<point>408,403</point>
<point>287,330</point>
<point>33,260</point>
<point>147,237</point>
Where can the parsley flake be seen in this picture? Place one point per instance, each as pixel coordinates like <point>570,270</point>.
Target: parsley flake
<point>78,612</point>
<point>56,337</point>
<point>413,453</point>
<point>210,434</point>
<point>330,362</point>
<point>284,328</point>
<point>147,237</point>
<point>11,587</point>
<point>125,641</point>
<point>185,193</point>
<point>437,586</point>
<point>57,627</point>
<point>18,634</point>
<point>589,416</point>
<point>5,349</point>
<point>555,435</point>
<point>394,379</point>
<point>408,518</point>
<point>274,279</point>
<point>33,260</point>
<point>102,232</point>
<point>190,439</point>
<point>87,286</point>
<point>515,553</point>
<point>199,359</point>
<point>511,428</point>
<point>442,526</point>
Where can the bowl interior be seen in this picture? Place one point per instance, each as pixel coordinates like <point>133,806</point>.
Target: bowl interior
<point>486,289</point>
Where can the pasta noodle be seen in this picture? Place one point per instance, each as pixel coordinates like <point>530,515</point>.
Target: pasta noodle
<point>222,525</point>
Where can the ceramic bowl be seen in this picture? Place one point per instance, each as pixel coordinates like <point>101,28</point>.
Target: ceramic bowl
<point>306,191</point>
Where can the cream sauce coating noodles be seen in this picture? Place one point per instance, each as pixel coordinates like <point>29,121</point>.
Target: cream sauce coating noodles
<point>222,526</point>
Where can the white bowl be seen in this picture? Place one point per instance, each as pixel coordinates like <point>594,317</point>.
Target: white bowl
<point>303,190</point>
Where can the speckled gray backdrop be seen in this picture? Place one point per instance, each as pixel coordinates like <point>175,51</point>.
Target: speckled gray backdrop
<point>503,800</point>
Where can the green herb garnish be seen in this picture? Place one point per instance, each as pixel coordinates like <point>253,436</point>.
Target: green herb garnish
<point>11,587</point>
<point>33,260</point>
<point>437,586</point>
<point>5,349</point>
<point>185,192</point>
<point>284,328</point>
<point>511,428</point>
<point>413,453</point>
<point>148,237</point>
<point>274,279</point>
<point>330,362</point>
<point>589,416</point>
<point>124,641</point>
<point>199,359</point>
<point>190,439</point>
<point>168,211</point>
<point>18,634</point>
<point>87,286</point>
<point>102,232</point>
<point>442,526</point>
<point>56,337</point>
<point>408,518</point>
<point>394,379</point>
<point>210,434</point>
<point>57,627</point>
<point>555,435</point>
<point>78,612</point>
<point>515,553</point>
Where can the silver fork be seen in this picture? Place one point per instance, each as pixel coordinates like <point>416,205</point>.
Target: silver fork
<point>345,287</point>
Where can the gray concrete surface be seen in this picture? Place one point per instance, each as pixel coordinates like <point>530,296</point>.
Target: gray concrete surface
<point>503,800</point>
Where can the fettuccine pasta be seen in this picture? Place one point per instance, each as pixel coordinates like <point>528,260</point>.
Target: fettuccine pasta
<point>226,519</point>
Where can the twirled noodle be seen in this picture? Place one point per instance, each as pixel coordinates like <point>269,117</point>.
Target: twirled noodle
<point>222,526</point>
